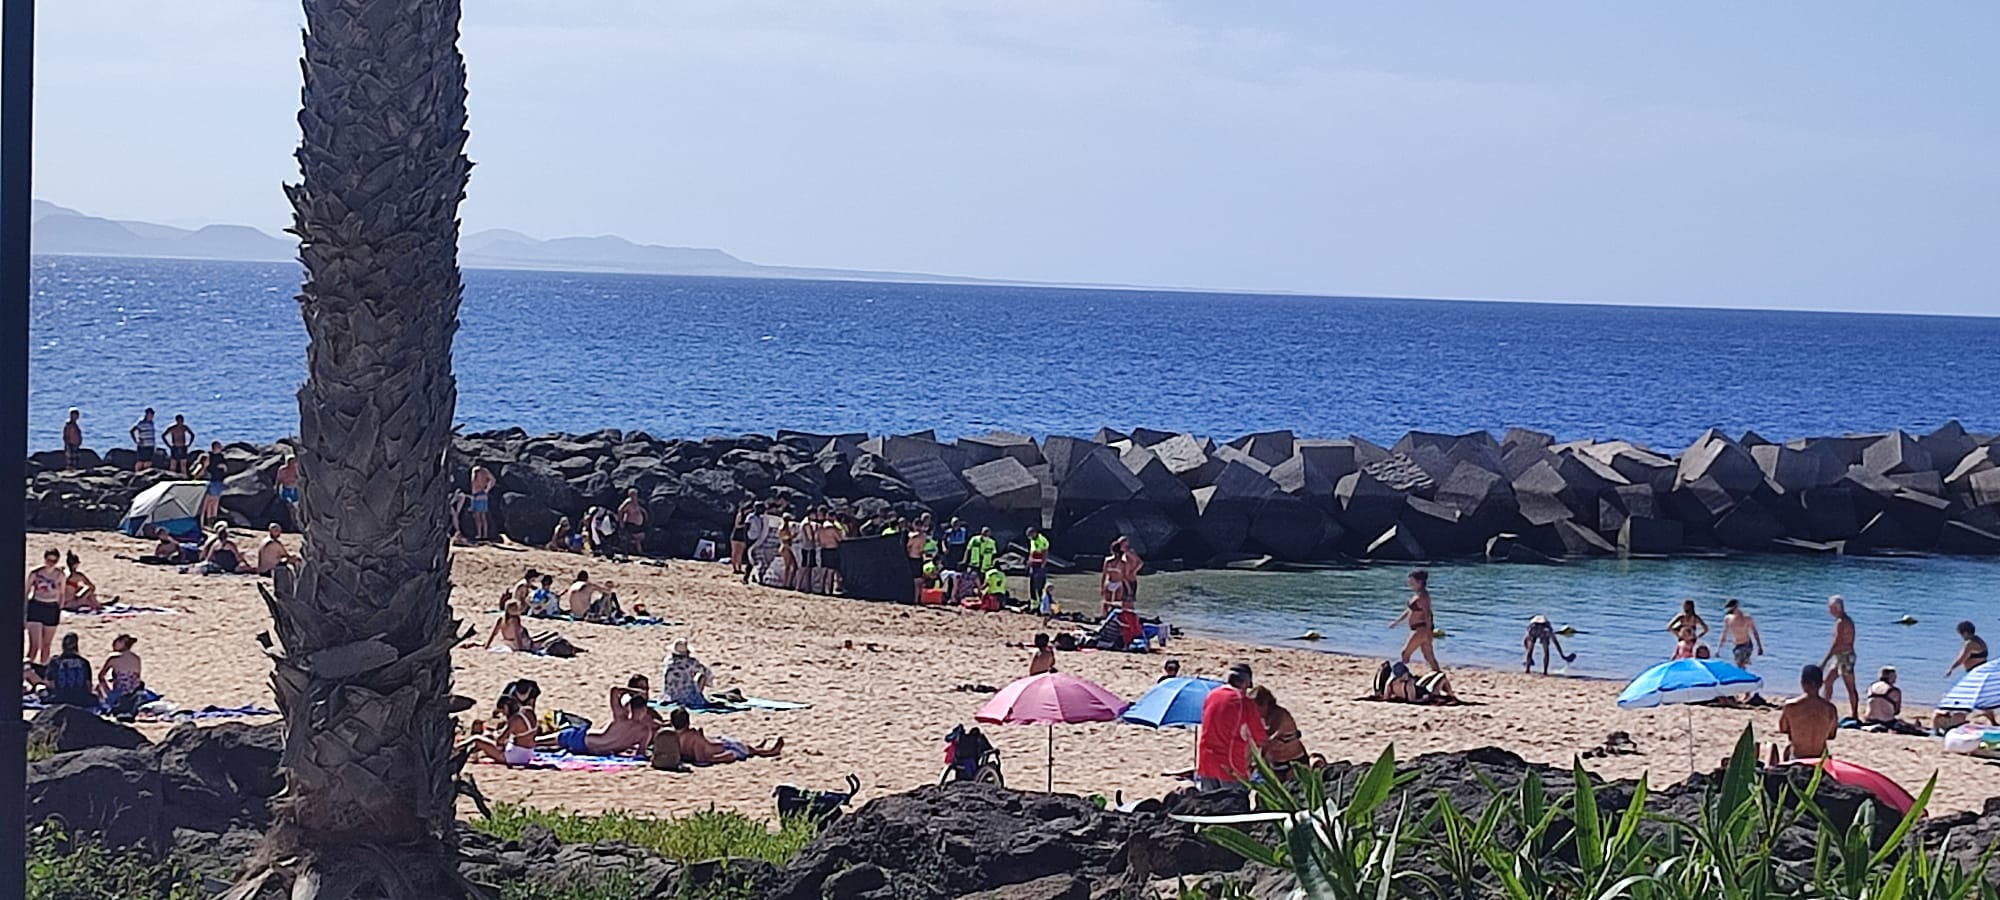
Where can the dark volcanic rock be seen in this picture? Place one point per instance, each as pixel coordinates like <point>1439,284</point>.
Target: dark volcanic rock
<point>69,728</point>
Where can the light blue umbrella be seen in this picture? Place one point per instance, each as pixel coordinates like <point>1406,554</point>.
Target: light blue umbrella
<point>1979,689</point>
<point>1685,681</point>
<point>1173,703</point>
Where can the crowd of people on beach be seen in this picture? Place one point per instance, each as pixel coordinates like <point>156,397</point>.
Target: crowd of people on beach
<point>517,730</point>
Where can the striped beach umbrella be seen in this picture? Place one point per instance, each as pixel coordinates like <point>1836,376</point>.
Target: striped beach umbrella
<point>1979,689</point>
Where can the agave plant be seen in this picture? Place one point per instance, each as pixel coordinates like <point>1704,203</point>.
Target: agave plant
<point>1334,845</point>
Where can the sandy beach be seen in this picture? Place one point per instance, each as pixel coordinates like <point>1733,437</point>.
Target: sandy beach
<point>880,709</point>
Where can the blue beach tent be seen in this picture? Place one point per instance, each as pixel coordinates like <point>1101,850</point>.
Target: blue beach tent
<point>172,505</point>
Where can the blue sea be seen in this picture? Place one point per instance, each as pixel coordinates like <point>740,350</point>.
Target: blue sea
<point>222,343</point>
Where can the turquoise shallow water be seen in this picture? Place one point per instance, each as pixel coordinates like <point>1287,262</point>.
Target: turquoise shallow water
<point>1620,606</point>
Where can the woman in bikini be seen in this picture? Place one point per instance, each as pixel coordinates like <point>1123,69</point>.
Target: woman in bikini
<point>79,593</point>
<point>1973,654</point>
<point>44,606</point>
<point>1688,620</point>
<point>512,633</point>
<point>1418,614</point>
<point>1285,747</point>
<point>514,743</point>
<point>1111,582</point>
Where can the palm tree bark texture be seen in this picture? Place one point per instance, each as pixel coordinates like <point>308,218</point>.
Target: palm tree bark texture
<point>364,624</point>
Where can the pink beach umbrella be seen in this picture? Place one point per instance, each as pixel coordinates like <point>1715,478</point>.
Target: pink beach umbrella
<point>1051,699</point>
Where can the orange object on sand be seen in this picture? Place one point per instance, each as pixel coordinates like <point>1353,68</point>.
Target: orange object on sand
<point>932,597</point>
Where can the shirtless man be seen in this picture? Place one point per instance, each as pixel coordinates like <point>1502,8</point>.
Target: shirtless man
<point>829,534</point>
<point>288,486</point>
<point>633,724</point>
<point>179,438</point>
<point>581,595</point>
<point>1739,634</point>
<point>1421,621</point>
<point>1808,719</point>
<point>272,551</point>
<point>1840,656</point>
<point>698,749</point>
<point>481,502</point>
<point>632,521</point>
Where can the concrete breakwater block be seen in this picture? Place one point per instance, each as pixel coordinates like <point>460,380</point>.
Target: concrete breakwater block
<point>989,447</point>
<point>1005,483</point>
<point>1896,453</point>
<point>1157,484</point>
<point>1649,537</point>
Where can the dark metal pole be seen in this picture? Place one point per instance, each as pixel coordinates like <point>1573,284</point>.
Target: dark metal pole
<point>17,91</point>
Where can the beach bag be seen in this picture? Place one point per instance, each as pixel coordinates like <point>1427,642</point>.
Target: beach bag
<point>666,751</point>
<point>560,648</point>
<point>1065,642</point>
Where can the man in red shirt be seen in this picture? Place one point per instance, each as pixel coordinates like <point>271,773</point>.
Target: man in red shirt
<point>1230,726</point>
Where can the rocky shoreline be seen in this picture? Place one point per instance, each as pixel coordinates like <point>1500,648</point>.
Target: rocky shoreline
<point>1269,497</point>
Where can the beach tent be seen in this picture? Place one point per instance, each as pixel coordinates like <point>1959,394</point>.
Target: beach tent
<point>172,505</point>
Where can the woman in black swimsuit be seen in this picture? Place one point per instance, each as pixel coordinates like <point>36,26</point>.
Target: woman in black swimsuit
<point>739,541</point>
<point>1974,654</point>
<point>44,596</point>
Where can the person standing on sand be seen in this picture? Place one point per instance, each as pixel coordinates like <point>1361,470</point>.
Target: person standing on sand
<point>1840,656</point>
<point>1973,654</point>
<point>1808,719</point>
<point>831,532</point>
<point>145,433</point>
<point>72,439</point>
<point>632,518</point>
<point>1129,565</point>
<point>1421,621</point>
<point>1739,634</point>
<point>179,438</point>
<point>739,542</point>
<point>1542,634</point>
<point>1230,726</point>
<point>211,469</point>
<point>481,487</point>
<point>1038,564</point>
<point>956,539</point>
<point>44,592</point>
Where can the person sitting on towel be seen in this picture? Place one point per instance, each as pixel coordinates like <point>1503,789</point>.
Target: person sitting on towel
<point>167,549</point>
<point>512,742</point>
<point>698,749</point>
<point>685,682</point>
<point>633,724</point>
<point>69,677</point>
<point>220,555</point>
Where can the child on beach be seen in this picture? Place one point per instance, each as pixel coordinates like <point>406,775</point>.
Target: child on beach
<point>544,602</point>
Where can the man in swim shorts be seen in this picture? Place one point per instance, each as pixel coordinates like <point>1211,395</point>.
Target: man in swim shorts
<point>481,502</point>
<point>1840,656</point>
<point>179,438</point>
<point>288,486</point>
<point>1739,634</point>
<point>72,439</point>
<point>144,435</point>
<point>701,750</point>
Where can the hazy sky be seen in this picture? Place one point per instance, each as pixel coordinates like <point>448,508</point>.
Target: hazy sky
<point>1823,155</point>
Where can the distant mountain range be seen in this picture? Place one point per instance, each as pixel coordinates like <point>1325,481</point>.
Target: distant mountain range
<point>63,231</point>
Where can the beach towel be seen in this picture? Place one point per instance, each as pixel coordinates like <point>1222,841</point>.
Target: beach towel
<point>213,713</point>
<point>722,706</point>
<point>124,611</point>
<point>576,762</point>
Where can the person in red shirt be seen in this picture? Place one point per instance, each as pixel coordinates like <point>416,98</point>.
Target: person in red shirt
<point>1230,726</point>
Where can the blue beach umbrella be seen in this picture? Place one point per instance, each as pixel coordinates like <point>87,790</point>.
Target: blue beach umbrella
<point>1979,689</point>
<point>1173,703</point>
<point>1685,681</point>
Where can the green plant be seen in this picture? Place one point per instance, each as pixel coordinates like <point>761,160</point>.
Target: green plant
<point>41,747</point>
<point>705,835</point>
<point>614,885</point>
<point>62,866</point>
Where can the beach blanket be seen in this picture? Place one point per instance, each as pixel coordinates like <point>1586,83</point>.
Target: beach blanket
<point>721,706</point>
<point>628,622</point>
<point>124,611</point>
<point>556,760</point>
<point>207,713</point>
<point>1973,740</point>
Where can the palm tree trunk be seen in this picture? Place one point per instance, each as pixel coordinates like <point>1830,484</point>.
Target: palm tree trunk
<point>364,624</point>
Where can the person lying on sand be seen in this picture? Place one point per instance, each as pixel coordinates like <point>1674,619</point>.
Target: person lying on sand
<point>1541,633</point>
<point>633,724</point>
<point>1402,686</point>
<point>698,749</point>
<point>513,744</point>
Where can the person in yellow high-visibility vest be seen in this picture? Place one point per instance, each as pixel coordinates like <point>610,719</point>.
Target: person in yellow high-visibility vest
<point>1038,564</point>
<point>981,551</point>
